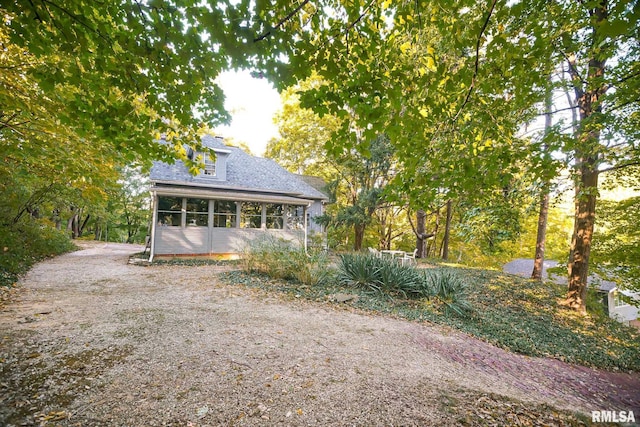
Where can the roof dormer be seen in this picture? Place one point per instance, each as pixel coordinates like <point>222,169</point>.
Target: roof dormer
<point>215,165</point>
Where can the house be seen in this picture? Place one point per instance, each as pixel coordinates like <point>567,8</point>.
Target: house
<point>235,199</point>
<point>619,307</point>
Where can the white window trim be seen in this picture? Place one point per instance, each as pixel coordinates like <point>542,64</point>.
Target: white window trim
<point>210,167</point>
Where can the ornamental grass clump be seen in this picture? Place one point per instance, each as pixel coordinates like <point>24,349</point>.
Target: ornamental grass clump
<point>395,278</point>
<point>449,290</point>
<point>282,259</point>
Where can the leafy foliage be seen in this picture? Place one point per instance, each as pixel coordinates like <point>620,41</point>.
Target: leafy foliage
<point>617,248</point>
<point>451,84</point>
<point>88,87</point>
<point>24,244</point>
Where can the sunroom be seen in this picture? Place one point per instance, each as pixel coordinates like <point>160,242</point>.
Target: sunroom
<point>249,197</point>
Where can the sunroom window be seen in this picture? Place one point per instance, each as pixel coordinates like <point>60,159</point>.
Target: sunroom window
<point>169,211</point>
<point>224,214</point>
<point>197,212</point>
<point>295,217</point>
<point>275,216</point>
<point>251,215</point>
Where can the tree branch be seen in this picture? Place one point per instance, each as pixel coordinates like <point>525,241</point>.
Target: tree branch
<point>477,61</point>
<point>624,104</point>
<point>620,166</point>
<point>629,77</point>
<point>281,22</point>
<point>75,18</point>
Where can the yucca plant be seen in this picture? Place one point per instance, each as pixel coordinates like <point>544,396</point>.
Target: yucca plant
<point>450,290</point>
<point>394,277</point>
<point>359,271</point>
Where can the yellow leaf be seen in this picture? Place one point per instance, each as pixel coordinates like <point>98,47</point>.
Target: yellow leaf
<point>431,64</point>
<point>404,47</point>
<point>424,112</point>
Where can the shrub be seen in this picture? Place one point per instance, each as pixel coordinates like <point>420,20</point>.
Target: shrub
<point>24,244</point>
<point>396,278</point>
<point>450,290</point>
<point>381,275</point>
<point>359,271</point>
<point>282,259</point>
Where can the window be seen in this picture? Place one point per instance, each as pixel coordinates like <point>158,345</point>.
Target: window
<point>209,160</point>
<point>224,214</point>
<point>618,301</point>
<point>295,217</point>
<point>169,211</point>
<point>275,216</point>
<point>251,215</point>
<point>197,212</point>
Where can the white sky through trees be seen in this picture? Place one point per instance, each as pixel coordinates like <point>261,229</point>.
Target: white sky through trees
<point>252,103</point>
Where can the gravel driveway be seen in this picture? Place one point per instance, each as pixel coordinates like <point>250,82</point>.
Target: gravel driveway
<point>89,340</point>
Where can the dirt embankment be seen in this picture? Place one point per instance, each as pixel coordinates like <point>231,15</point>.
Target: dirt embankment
<point>90,340</point>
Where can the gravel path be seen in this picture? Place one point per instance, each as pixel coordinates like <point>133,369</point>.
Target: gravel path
<point>89,340</point>
<point>524,267</point>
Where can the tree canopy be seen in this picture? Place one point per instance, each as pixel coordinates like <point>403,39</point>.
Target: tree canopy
<point>451,84</point>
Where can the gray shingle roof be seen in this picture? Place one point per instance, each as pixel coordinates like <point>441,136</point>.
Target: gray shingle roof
<point>244,172</point>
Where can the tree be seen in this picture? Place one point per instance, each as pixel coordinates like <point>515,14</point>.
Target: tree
<point>452,83</point>
<point>606,27</point>
<point>125,71</point>
<point>362,178</point>
<point>87,87</point>
<point>543,215</point>
<point>304,135</point>
<point>616,247</point>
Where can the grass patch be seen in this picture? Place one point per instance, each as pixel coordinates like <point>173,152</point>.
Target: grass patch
<point>516,314</point>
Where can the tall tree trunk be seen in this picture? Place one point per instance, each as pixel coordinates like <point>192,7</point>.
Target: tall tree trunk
<point>589,98</point>
<point>358,236</point>
<point>447,231</point>
<point>543,215</point>
<point>541,238</point>
<point>434,244</point>
<point>421,246</point>
<point>586,189</point>
<point>84,224</point>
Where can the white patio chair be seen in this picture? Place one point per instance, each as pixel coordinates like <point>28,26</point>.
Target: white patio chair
<point>374,252</point>
<point>409,258</point>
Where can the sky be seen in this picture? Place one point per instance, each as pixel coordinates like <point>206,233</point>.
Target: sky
<point>252,104</point>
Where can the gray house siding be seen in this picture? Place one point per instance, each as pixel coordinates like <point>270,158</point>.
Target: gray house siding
<point>206,241</point>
